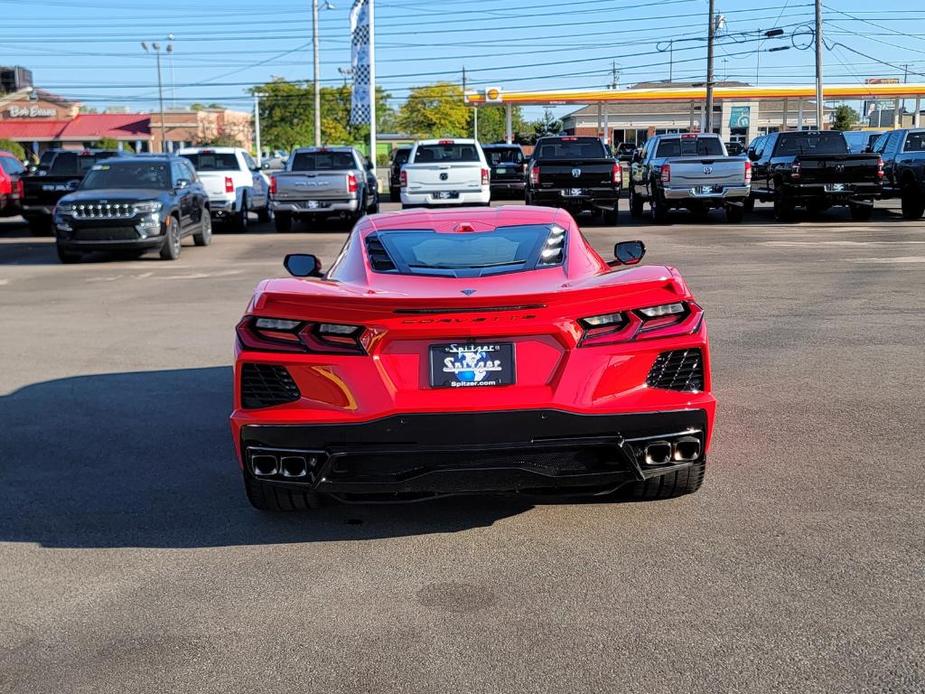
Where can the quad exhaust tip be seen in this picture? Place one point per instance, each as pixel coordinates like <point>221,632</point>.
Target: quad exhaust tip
<point>684,450</point>
<point>658,453</point>
<point>264,465</point>
<point>293,466</point>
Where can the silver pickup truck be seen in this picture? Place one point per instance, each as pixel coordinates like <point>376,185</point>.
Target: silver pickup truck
<point>690,171</point>
<point>322,182</point>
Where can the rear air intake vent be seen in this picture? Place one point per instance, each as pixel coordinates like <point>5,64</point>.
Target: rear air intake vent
<point>378,256</point>
<point>681,369</point>
<point>265,385</point>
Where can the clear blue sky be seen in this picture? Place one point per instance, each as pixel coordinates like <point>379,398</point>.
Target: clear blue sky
<point>89,49</point>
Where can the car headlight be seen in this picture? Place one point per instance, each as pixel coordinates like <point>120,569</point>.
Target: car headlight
<point>148,207</point>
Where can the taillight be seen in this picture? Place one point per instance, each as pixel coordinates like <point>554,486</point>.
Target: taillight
<point>665,320</point>
<point>285,335</point>
<point>748,172</point>
<point>272,185</point>
<point>880,172</point>
<point>229,184</point>
<point>666,173</point>
<point>616,175</point>
<point>535,175</point>
<point>351,183</point>
<point>403,179</point>
<point>484,177</point>
<point>795,170</point>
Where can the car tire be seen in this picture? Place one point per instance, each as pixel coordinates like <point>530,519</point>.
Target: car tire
<point>170,250</point>
<point>269,497</point>
<point>636,205</point>
<point>528,199</point>
<point>240,221</point>
<point>912,202</point>
<point>204,236</point>
<point>283,221</point>
<point>861,213</point>
<point>784,208</point>
<point>394,194</point>
<point>264,214</point>
<point>748,205</point>
<point>67,257</point>
<point>735,214</point>
<point>658,209</point>
<point>678,483</point>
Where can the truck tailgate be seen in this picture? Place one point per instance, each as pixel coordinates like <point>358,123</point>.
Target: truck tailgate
<point>299,185</point>
<point>839,168</point>
<point>594,173</point>
<point>699,171</point>
<point>455,176</point>
<point>214,183</point>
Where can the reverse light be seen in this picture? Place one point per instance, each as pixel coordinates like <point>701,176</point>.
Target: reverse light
<point>603,320</point>
<point>616,174</point>
<point>665,173</point>
<point>276,324</point>
<point>748,172</point>
<point>663,310</point>
<point>229,184</point>
<point>287,335</point>
<point>535,175</point>
<point>351,183</point>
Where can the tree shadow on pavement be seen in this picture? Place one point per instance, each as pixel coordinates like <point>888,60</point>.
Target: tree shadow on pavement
<point>146,460</point>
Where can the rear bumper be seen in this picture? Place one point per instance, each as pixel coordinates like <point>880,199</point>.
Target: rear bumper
<point>818,191</point>
<point>472,452</point>
<point>429,198</point>
<point>315,206</point>
<point>508,185</point>
<point>590,199</point>
<point>690,194</point>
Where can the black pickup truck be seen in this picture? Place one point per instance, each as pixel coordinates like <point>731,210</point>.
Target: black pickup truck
<point>903,153</point>
<point>815,170</point>
<point>59,172</point>
<point>575,173</point>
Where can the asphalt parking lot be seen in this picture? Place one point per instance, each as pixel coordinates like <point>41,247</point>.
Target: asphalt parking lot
<point>130,560</point>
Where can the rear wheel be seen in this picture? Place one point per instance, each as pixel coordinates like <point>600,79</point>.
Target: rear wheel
<point>735,214</point>
<point>241,220</point>
<point>658,209</point>
<point>861,213</point>
<point>395,194</point>
<point>283,221</point>
<point>748,205</point>
<point>374,208</point>
<point>171,248</point>
<point>204,236</point>
<point>67,257</point>
<point>783,208</point>
<point>913,202</point>
<point>268,497</point>
<point>635,205</point>
<point>678,483</point>
<point>263,214</point>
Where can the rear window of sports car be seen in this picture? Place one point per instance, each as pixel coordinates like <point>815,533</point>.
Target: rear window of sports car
<point>467,253</point>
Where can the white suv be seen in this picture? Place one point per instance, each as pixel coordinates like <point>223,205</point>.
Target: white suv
<point>445,172</point>
<point>234,182</point>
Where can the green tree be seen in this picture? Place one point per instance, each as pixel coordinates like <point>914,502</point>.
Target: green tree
<point>196,106</point>
<point>13,148</point>
<point>491,123</point>
<point>107,143</point>
<point>844,117</point>
<point>547,125</point>
<point>223,140</point>
<point>435,110</point>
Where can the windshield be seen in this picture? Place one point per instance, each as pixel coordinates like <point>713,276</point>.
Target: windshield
<point>322,161</point>
<point>577,148</point>
<point>445,153</point>
<point>506,155</point>
<point>831,142</point>
<point>474,254</point>
<point>128,175</point>
<point>859,140</point>
<point>211,161</point>
<point>690,147</point>
<point>915,142</point>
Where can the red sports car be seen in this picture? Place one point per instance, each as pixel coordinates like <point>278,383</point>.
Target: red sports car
<point>471,351</point>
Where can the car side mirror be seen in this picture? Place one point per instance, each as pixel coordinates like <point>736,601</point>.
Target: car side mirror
<point>182,183</point>
<point>628,252</point>
<point>302,265</point>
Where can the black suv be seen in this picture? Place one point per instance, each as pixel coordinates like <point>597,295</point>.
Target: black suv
<point>398,158</point>
<point>507,166</point>
<point>131,205</point>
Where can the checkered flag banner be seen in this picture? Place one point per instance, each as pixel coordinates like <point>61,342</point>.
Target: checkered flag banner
<point>359,32</point>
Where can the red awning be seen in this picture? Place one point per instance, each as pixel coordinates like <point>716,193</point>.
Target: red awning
<point>86,126</point>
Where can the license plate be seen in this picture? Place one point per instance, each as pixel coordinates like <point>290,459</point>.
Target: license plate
<point>446,195</point>
<point>572,192</point>
<point>835,187</point>
<point>709,190</point>
<point>313,204</point>
<point>471,364</point>
<point>501,170</point>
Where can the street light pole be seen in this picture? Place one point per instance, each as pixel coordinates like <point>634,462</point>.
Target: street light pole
<point>819,44</point>
<point>315,72</point>
<point>160,87</point>
<point>707,125</point>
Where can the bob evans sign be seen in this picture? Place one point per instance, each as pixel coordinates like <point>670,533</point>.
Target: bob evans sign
<point>31,112</point>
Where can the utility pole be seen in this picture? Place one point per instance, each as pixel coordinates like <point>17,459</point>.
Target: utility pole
<point>613,75</point>
<point>315,75</point>
<point>707,125</point>
<point>257,128</point>
<point>160,87</point>
<point>819,44</point>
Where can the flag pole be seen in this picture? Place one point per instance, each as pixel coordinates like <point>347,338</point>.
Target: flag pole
<point>372,83</point>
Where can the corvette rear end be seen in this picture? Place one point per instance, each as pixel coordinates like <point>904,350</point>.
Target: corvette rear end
<point>471,351</point>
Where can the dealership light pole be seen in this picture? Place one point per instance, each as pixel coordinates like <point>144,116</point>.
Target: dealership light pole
<point>819,103</point>
<point>316,69</point>
<point>160,86</point>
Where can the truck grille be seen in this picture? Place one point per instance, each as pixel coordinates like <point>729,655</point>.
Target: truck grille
<point>681,369</point>
<point>265,385</point>
<point>96,210</point>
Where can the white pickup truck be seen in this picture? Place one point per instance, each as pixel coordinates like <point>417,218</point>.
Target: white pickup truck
<point>234,182</point>
<point>445,172</point>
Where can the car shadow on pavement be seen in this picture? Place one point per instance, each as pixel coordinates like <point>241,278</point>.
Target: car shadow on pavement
<point>145,460</point>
